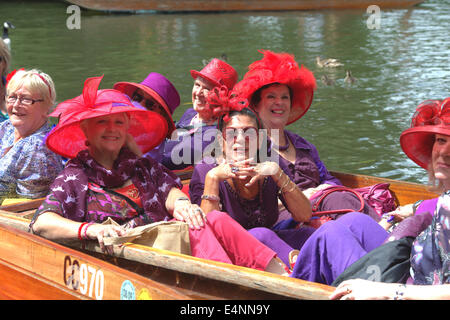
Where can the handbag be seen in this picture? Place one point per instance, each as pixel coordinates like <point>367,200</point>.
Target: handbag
<point>165,235</point>
<point>377,196</point>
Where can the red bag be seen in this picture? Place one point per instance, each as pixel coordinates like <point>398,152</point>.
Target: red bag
<point>377,196</point>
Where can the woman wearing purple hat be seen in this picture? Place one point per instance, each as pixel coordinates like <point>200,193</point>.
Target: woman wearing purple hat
<point>187,147</point>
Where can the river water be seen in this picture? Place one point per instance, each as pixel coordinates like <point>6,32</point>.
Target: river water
<point>356,128</point>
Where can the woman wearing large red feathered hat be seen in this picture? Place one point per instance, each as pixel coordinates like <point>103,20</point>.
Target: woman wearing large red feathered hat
<point>281,92</point>
<point>105,179</point>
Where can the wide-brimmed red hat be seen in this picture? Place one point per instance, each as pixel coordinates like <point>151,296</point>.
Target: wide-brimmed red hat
<point>280,68</point>
<point>431,117</point>
<point>218,72</point>
<point>160,88</point>
<point>67,139</point>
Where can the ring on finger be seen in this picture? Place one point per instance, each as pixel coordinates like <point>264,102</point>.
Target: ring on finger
<point>234,169</point>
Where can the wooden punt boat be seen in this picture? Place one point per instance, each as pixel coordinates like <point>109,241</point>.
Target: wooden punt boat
<point>235,5</point>
<point>35,268</point>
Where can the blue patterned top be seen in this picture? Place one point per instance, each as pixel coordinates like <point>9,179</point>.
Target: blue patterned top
<point>29,167</point>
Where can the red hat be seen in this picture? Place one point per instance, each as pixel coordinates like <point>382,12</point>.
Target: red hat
<point>219,73</point>
<point>280,68</point>
<point>67,139</point>
<point>431,117</point>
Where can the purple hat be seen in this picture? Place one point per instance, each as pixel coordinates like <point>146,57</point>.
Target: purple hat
<point>158,87</point>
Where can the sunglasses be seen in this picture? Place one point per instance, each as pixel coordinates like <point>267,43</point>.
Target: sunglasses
<point>150,104</point>
<point>231,134</point>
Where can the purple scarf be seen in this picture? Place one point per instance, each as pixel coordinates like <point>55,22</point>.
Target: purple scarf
<point>152,180</point>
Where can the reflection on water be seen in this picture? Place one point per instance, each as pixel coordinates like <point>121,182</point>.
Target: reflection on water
<point>356,127</point>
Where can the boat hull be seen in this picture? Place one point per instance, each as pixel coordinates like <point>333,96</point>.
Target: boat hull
<point>235,5</point>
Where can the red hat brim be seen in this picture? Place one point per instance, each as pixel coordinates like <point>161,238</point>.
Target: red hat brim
<point>147,127</point>
<point>129,87</point>
<point>195,74</point>
<point>417,142</point>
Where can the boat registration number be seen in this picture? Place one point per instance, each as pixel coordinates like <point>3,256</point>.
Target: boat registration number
<point>87,279</point>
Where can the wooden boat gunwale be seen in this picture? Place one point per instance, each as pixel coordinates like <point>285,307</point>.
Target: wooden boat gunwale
<point>239,276</point>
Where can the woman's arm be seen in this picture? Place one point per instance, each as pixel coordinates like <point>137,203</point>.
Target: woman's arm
<point>181,208</point>
<point>52,226</point>
<point>358,289</point>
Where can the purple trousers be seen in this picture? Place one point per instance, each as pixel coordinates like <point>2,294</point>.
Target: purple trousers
<point>336,245</point>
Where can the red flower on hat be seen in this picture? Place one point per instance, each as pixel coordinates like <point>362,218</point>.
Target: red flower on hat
<point>222,101</point>
<point>432,112</point>
<point>11,74</point>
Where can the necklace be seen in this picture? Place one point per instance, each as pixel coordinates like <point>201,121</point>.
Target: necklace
<point>286,146</point>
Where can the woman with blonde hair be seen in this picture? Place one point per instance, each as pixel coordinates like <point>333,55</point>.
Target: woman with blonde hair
<point>27,166</point>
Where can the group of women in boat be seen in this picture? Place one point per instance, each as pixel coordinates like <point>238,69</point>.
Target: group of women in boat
<point>120,145</point>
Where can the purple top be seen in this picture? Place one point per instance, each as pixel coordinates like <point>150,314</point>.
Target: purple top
<point>259,212</point>
<point>71,191</point>
<point>308,171</point>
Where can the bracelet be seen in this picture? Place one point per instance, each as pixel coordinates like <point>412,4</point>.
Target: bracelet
<point>85,237</point>
<point>210,197</point>
<point>285,184</point>
<point>399,293</point>
<point>389,217</point>
<point>79,230</point>
<point>279,176</point>
<point>182,199</point>
<point>293,187</point>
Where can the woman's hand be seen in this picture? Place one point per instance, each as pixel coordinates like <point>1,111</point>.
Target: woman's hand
<point>100,231</point>
<point>192,214</point>
<point>259,171</point>
<point>227,170</point>
<point>402,212</point>
<point>132,145</point>
<point>358,289</point>
<point>311,191</point>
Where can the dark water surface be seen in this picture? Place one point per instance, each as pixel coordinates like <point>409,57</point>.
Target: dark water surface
<point>356,128</point>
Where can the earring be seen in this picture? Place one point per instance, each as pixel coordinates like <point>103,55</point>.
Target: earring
<point>87,143</point>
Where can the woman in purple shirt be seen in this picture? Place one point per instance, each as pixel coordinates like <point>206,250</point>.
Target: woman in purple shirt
<point>247,189</point>
<point>281,92</point>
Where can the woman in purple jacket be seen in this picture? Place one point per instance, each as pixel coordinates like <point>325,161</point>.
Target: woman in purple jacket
<point>281,92</point>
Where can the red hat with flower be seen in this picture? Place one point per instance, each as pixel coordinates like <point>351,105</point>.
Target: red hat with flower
<point>218,72</point>
<point>280,68</point>
<point>67,138</point>
<point>431,117</point>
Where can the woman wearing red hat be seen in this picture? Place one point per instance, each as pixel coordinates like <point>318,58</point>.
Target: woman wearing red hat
<point>427,143</point>
<point>281,92</point>
<point>196,127</point>
<point>104,179</point>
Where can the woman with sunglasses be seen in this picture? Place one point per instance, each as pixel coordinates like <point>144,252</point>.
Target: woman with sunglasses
<point>27,167</point>
<point>237,182</point>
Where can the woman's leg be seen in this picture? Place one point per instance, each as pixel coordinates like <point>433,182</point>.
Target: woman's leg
<point>273,241</point>
<point>239,245</point>
<point>335,246</point>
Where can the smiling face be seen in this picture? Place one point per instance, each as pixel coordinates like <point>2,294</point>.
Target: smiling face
<point>274,106</point>
<point>240,136</point>
<point>26,119</point>
<point>106,134</point>
<point>199,92</point>
<point>440,159</point>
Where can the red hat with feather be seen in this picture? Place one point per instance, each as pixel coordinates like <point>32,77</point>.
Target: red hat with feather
<point>280,68</point>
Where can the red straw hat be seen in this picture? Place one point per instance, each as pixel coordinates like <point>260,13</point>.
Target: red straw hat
<point>280,68</point>
<point>431,117</point>
<point>67,139</point>
<point>218,72</point>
